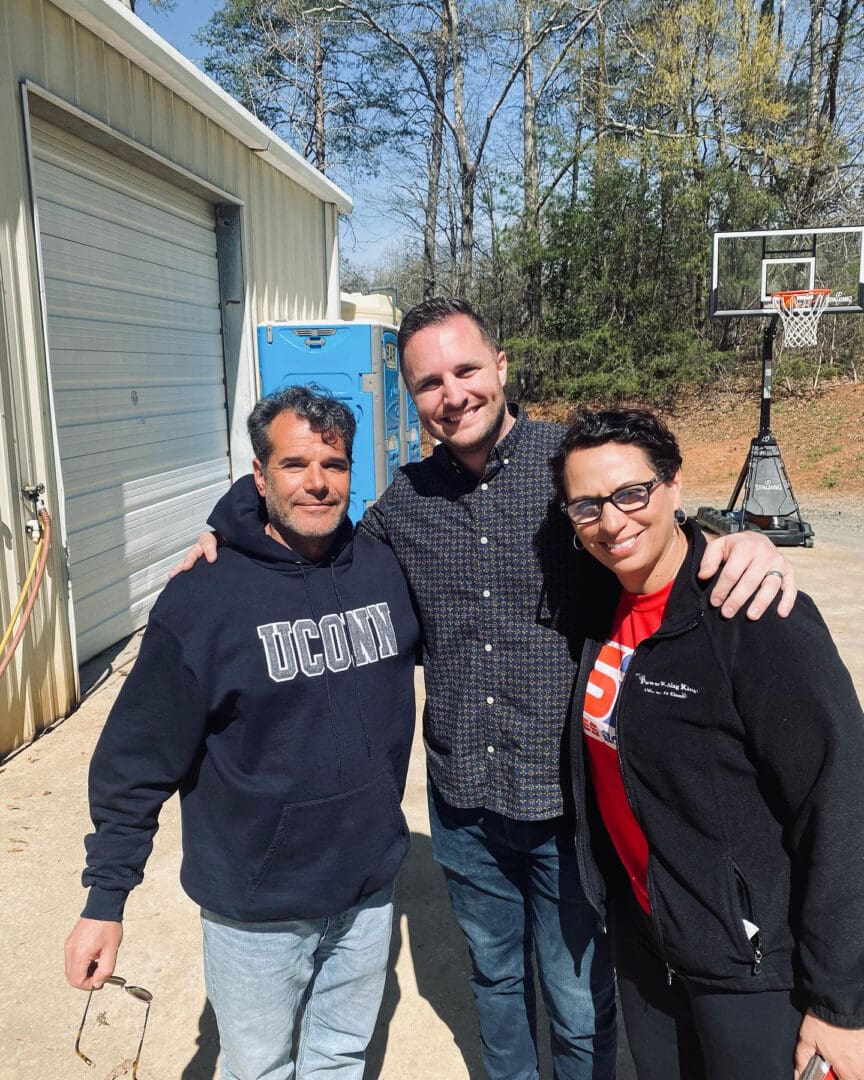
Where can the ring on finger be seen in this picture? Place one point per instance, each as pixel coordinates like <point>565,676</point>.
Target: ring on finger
<point>777,573</point>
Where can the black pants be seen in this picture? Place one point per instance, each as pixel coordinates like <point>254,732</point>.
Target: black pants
<point>686,1031</point>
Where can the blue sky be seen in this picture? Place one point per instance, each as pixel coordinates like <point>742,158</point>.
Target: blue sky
<point>180,25</point>
<point>370,233</point>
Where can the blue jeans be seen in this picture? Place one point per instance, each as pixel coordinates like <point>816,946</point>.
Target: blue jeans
<point>330,972</point>
<point>516,894</point>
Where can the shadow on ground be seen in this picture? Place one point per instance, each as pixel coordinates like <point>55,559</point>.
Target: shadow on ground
<point>423,923</point>
<point>203,1064</point>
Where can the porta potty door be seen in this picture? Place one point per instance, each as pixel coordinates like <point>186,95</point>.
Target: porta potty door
<point>410,435</point>
<point>338,357</point>
<point>392,409</point>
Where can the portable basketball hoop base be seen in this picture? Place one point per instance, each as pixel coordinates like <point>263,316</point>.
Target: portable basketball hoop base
<point>796,275</point>
<point>768,505</point>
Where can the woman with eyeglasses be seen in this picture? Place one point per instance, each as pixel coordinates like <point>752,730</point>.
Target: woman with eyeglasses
<point>724,760</point>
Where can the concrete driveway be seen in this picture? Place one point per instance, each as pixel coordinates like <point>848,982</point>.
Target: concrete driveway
<point>427,1027</point>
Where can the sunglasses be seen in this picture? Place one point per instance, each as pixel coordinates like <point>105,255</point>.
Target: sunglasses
<point>137,992</point>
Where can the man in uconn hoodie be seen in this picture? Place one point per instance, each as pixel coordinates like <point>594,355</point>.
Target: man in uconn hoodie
<point>274,690</point>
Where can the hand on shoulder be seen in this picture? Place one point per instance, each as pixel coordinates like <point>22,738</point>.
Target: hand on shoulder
<point>206,546</point>
<point>753,569</point>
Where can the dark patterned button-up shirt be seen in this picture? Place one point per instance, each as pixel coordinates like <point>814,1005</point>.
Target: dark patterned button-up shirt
<point>490,563</point>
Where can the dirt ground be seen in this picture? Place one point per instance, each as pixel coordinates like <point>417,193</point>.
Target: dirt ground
<point>820,434</point>
<point>427,1027</point>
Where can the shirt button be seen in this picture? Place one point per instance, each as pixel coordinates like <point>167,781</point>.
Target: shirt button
<point>487,647</point>
<point>484,487</point>
<point>491,749</point>
<point>490,700</point>
<point>506,460</point>
<point>486,593</point>
<point>484,539</point>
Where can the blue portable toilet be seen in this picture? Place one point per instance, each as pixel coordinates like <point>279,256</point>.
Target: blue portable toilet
<point>357,363</point>
<point>409,440</point>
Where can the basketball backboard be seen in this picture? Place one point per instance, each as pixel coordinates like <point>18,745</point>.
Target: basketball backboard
<point>748,267</point>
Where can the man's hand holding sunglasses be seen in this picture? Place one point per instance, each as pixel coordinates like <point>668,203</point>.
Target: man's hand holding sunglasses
<point>91,952</point>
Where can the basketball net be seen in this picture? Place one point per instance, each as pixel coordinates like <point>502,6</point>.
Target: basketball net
<point>800,310</point>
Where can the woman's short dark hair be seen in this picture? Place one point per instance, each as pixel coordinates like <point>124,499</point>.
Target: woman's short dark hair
<point>631,427</point>
<point>324,413</point>
<point>438,310</point>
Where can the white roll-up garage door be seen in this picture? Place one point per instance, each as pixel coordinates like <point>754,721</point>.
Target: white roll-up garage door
<point>137,372</point>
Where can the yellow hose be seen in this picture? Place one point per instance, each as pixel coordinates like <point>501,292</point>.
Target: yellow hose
<point>42,549</point>
<point>23,596</point>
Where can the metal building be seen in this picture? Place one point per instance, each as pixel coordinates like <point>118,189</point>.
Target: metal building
<point>148,223</point>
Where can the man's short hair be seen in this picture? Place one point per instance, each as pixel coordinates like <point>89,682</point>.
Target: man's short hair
<point>324,413</point>
<point>438,310</point>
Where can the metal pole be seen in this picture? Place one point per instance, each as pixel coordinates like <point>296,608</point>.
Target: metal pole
<point>767,376</point>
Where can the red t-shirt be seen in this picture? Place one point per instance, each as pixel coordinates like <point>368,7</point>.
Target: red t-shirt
<point>637,617</point>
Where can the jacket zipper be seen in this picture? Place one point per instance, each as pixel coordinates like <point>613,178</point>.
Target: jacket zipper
<point>747,903</point>
<point>756,941</point>
<point>670,971</point>
<point>599,905</point>
<point>659,633</point>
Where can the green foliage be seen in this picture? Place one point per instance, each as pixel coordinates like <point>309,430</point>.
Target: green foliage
<point>606,365</point>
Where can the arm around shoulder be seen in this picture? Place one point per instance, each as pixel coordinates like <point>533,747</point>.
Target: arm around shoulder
<point>753,569</point>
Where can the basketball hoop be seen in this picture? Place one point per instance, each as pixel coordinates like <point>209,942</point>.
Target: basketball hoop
<point>800,310</point>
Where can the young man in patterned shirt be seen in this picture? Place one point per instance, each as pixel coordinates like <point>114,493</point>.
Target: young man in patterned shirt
<point>498,585</point>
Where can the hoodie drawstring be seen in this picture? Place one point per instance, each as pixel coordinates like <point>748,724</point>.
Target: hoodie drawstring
<point>354,664</point>
<point>326,679</point>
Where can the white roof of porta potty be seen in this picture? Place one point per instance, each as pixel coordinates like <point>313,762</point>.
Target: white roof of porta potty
<point>369,307</point>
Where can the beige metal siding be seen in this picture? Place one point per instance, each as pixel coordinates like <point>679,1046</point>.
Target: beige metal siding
<point>288,257</point>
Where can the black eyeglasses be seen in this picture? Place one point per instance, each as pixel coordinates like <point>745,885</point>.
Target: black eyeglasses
<point>137,992</point>
<point>627,499</point>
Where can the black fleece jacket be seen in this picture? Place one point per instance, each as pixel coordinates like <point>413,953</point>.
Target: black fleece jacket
<point>742,750</point>
<point>277,695</point>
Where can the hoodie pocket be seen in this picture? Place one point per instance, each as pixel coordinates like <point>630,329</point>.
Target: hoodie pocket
<point>327,854</point>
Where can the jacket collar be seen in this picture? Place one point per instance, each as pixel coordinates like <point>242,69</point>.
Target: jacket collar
<point>687,600</point>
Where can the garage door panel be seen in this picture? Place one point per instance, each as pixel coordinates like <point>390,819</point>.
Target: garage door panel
<point>63,229</point>
<point>180,476</point>
<point>132,530</point>
<point>100,499</point>
<point>82,159</point>
<point>138,384</point>
<point>67,225</point>
<point>116,610</point>
<point>169,370</point>
<point>70,334</point>
<point>69,261</point>
<point>118,306</point>
<point>113,438</point>
<point>137,407</point>
<point>126,224</point>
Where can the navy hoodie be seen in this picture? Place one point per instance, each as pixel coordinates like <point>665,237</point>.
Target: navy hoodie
<point>276,695</point>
